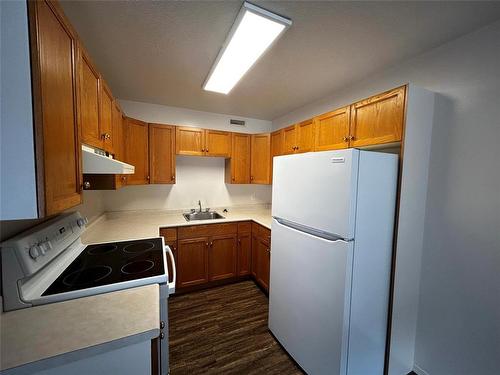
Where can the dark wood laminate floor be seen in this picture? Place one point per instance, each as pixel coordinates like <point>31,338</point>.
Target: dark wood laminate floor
<point>224,331</point>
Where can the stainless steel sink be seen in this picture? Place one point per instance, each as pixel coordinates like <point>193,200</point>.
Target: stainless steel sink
<point>204,215</point>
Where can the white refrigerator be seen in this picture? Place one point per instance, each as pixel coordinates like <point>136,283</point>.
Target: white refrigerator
<point>331,245</point>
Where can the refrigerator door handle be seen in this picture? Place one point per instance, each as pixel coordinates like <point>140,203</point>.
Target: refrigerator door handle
<point>331,237</point>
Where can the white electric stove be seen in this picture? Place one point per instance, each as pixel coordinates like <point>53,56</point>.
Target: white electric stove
<point>49,264</point>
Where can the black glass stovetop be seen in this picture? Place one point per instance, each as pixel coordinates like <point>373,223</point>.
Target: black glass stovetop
<point>110,263</point>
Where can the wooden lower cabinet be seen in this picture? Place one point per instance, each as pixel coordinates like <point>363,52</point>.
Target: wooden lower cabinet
<point>222,258</point>
<point>192,264</point>
<point>211,254</point>
<point>244,254</point>
<point>263,263</point>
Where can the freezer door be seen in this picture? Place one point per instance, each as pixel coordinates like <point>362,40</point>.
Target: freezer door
<point>318,190</point>
<point>309,298</point>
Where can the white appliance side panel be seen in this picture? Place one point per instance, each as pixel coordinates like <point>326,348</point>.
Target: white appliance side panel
<point>317,189</point>
<point>377,184</point>
<point>309,298</point>
<point>18,197</point>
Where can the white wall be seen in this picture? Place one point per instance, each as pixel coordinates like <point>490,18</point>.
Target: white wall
<point>188,117</point>
<point>197,178</point>
<point>92,207</point>
<point>458,327</point>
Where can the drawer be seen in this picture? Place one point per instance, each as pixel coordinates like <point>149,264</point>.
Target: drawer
<point>244,227</point>
<point>170,234</point>
<point>206,230</point>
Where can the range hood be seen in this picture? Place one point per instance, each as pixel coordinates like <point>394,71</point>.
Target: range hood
<point>95,161</point>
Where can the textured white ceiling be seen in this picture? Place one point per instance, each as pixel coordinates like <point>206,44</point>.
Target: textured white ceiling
<point>160,52</point>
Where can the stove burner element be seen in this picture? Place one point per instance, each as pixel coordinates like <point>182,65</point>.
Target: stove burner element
<point>87,276</point>
<point>137,266</point>
<point>102,249</point>
<point>139,247</point>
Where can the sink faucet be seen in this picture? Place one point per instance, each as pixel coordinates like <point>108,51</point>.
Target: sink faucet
<point>199,204</point>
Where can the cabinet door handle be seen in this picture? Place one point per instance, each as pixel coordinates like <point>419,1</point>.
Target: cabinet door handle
<point>345,139</point>
<point>211,244</point>
<point>206,244</point>
<point>206,150</point>
<point>173,177</point>
<point>352,138</point>
<point>86,185</point>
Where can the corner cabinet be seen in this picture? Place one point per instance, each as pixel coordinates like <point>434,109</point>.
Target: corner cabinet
<point>238,167</point>
<point>136,150</point>
<point>260,166</point>
<point>54,82</point>
<point>161,154</point>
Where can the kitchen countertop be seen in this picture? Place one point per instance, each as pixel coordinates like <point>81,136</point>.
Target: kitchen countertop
<point>40,332</point>
<point>128,225</point>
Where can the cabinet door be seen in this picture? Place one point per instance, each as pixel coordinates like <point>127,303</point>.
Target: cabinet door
<point>289,140</point>
<point>106,117</point>
<point>244,254</point>
<point>276,147</point>
<point>190,141</point>
<point>161,154</point>
<point>378,119</point>
<point>255,255</point>
<point>260,171</point>
<point>332,130</point>
<point>136,151</point>
<point>118,141</point>
<point>263,263</point>
<point>277,143</point>
<point>53,51</point>
<point>222,257</point>
<point>89,92</point>
<point>218,143</point>
<point>305,136</point>
<point>192,256</point>
<point>240,159</point>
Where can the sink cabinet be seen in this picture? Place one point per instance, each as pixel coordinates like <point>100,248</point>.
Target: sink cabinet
<point>211,254</point>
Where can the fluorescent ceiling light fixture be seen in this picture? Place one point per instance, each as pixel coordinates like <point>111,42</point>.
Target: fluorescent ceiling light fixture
<point>253,32</point>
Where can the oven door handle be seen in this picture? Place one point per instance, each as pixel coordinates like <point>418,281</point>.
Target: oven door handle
<point>171,285</point>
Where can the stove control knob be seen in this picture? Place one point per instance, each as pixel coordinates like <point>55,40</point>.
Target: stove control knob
<point>34,251</point>
<point>45,246</point>
<point>82,221</point>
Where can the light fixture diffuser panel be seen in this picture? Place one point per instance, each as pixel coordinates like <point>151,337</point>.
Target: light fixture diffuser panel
<point>253,32</point>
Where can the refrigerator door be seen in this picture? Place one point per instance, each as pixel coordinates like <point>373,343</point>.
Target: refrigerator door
<point>309,298</point>
<point>317,190</point>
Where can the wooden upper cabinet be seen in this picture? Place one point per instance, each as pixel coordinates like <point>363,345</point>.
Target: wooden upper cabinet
<point>277,143</point>
<point>378,119</point>
<point>332,130</point>
<point>305,136</point>
<point>289,140</point>
<point>54,75</point>
<point>117,131</point>
<point>136,150</point>
<point>217,143</point>
<point>161,154</point>
<point>89,102</point>
<point>260,171</point>
<point>106,120</point>
<point>190,141</point>
<point>238,167</point>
